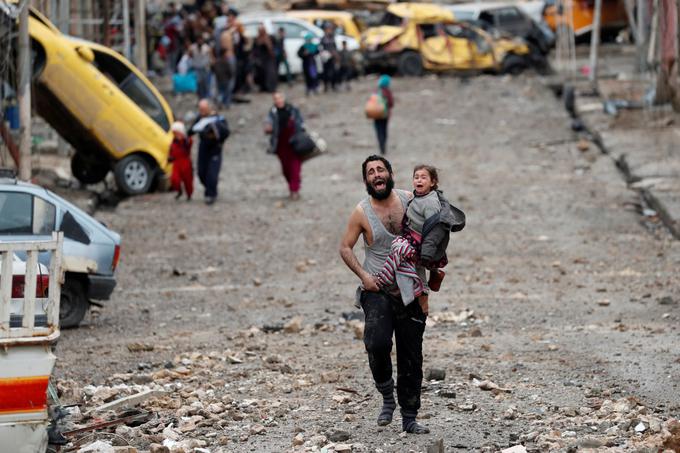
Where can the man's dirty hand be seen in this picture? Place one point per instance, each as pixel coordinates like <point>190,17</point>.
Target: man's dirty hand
<point>370,283</point>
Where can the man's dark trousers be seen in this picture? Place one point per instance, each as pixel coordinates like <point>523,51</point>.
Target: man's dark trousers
<point>209,164</point>
<point>385,316</point>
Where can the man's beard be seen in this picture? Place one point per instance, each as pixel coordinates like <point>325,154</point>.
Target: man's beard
<point>381,194</point>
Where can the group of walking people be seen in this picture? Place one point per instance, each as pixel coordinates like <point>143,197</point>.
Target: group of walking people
<point>210,45</point>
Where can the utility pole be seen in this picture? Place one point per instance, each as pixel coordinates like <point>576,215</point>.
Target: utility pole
<point>126,29</point>
<point>24,95</point>
<point>64,16</point>
<point>595,44</point>
<point>140,35</point>
<point>642,34</point>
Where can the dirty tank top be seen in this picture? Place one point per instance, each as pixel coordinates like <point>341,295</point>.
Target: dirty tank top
<point>377,253</point>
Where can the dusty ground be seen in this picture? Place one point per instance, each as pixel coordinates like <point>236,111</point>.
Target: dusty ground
<point>575,300</point>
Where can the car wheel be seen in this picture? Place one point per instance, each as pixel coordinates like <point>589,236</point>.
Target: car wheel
<point>134,175</point>
<point>410,64</point>
<point>73,304</point>
<point>513,64</point>
<point>88,171</point>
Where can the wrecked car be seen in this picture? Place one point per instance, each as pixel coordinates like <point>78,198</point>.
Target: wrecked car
<point>510,20</point>
<point>415,37</point>
<point>91,250</point>
<point>103,106</point>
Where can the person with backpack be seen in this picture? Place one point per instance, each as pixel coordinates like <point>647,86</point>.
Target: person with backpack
<point>307,53</point>
<point>380,124</point>
<point>213,130</point>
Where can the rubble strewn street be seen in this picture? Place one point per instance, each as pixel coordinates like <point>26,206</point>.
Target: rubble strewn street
<point>233,328</point>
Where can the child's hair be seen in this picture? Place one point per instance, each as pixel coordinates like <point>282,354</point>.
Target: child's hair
<point>432,171</point>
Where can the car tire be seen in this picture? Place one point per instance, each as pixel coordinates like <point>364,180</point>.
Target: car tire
<point>88,171</point>
<point>410,64</point>
<point>73,304</point>
<point>513,64</point>
<point>134,175</point>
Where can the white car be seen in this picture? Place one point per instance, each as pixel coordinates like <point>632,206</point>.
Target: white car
<point>17,294</point>
<point>472,11</point>
<point>295,29</point>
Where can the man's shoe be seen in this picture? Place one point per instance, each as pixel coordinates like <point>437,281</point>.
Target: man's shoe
<point>435,281</point>
<point>209,200</point>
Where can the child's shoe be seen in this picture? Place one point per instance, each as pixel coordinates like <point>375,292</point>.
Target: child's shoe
<point>435,281</point>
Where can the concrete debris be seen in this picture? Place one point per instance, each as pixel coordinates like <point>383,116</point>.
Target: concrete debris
<point>140,347</point>
<point>435,374</point>
<point>490,386</point>
<point>129,401</point>
<point>515,449</point>
<point>97,447</point>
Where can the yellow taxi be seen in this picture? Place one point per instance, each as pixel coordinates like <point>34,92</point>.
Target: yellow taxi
<point>103,106</point>
<point>415,37</point>
<point>344,21</point>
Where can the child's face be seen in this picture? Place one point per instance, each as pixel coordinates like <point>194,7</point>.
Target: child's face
<point>178,135</point>
<point>422,182</point>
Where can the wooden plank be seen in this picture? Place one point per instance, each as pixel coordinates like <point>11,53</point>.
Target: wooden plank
<point>5,291</point>
<point>55,281</point>
<point>29,290</point>
<point>26,246</point>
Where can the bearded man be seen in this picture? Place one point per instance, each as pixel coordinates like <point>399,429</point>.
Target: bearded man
<point>378,219</point>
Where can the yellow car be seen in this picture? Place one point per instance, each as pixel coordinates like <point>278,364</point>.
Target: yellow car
<point>418,36</point>
<point>103,106</point>
<point>343,20</point>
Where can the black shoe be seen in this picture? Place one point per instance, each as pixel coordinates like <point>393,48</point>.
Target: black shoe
<point>209,200</point>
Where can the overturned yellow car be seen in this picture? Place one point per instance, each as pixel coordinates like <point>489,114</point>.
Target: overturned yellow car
<point>414,37</point>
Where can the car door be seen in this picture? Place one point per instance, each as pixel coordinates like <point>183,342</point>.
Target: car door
<point>128,93</point>
<point>295,37</point>
<point>445,45</point>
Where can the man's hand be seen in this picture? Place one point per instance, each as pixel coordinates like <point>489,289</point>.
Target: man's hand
<point>370,283</point>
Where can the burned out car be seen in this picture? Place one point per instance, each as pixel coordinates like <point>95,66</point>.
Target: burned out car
<point>91,250</point>
<point>415,37</point>
<point>511,20</point>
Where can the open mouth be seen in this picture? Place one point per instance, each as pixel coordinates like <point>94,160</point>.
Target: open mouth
<point>379,184</point>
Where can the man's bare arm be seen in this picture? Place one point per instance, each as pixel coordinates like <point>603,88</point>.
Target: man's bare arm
<point>349,240</point>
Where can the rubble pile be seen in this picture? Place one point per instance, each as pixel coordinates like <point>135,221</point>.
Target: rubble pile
<point>203,402</point>
<point>199,402</point>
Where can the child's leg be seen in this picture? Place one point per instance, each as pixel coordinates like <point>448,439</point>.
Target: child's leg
<point>400,250</point>
<point>423,302</point>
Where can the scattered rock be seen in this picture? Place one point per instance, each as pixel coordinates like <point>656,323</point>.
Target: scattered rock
<point>140,347</point>
<point>436,447</point>
<point>515,449</point>
<point>666,300</point>
<point>299,439</point>
<point>338,435</point>
<point>294,325</point>
<point>97,447</point>
<point>257,429</point>
<point>435,374</point>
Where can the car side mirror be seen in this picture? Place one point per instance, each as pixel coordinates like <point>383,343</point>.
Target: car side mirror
<point>73,230</point>
<point>85,53</point>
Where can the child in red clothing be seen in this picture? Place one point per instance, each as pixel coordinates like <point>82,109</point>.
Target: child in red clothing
<point>180,156</point>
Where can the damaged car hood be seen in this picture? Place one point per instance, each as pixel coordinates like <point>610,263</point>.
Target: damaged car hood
<point>377,36</point>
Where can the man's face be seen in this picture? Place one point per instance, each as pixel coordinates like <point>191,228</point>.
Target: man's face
<point>279,100</point>
<point>379,182</point>
<point>203,108</point>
